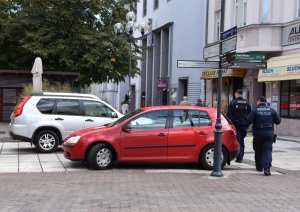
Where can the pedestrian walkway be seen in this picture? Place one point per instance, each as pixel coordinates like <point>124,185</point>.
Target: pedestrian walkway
<point>19,157</point>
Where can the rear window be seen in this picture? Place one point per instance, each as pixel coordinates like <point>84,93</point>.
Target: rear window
<point>46,106</point>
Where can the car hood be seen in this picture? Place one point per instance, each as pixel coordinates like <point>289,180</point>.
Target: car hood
<point>89,131</point>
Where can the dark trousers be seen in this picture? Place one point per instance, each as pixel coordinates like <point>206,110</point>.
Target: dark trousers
<point>241,134</point>
<point>262,146</point>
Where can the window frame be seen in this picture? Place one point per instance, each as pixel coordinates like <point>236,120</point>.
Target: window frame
<point>217,25</point>
<point>266,8</point>
<point>244,13</point>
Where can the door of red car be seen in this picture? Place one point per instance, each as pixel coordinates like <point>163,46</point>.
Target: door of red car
<point>188,132</point>
<point>145,137</point>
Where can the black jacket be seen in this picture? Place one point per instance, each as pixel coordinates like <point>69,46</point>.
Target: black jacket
<point>263,119</point>
<point>238,110</point>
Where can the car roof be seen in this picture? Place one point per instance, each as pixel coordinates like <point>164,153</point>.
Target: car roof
<point>179,107</point>
<point>63,94</point>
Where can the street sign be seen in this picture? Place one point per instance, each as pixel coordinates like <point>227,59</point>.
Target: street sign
<point>197,64</point>
<point>229,45</point>
<point>229,33</point>
<point>249,65</point>
<point>227,60</point>
<point>250,57</point>
<point>211,51</point>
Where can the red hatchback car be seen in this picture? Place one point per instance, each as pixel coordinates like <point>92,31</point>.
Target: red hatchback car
<point>169,134</point>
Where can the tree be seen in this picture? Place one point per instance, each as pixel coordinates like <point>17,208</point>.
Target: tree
<point>69,35</point>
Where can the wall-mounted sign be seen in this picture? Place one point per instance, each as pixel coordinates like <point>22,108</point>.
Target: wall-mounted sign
<point>274,98</point>
<point>291,35</point>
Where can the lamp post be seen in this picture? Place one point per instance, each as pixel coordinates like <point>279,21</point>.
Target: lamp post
<point>130,28</point>
<point>218,131</point>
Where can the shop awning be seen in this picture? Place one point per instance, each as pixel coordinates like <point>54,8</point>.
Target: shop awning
<point>213,73</point>
<point>281,68</point>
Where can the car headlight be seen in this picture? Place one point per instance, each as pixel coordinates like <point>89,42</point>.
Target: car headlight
<point>73,139</point>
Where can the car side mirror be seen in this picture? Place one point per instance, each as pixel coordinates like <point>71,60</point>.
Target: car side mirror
<point>127,128</point>
<point>114,115</point>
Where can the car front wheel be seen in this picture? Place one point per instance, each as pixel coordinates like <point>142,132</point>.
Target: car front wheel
<point>46,141</point>
<point>207,157</point>
<point>100,157</point>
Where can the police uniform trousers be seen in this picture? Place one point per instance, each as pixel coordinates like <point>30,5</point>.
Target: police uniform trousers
<point>262,146</point>
<point>241,134</point>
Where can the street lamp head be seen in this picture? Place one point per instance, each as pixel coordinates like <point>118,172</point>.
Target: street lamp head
<point>118,28</point>
<point>130,16</point>
<point>130,27</point>
<point>143,27</point>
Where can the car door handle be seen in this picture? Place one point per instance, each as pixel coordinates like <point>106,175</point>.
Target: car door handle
<point>59,119</point>
<point>89,120</point>
<point>162,134</point>
<point>202,133</point>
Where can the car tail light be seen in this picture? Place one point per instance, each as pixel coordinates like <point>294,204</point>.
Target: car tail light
<point>19,108</point>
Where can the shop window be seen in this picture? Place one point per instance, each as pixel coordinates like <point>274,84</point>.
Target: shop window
<point>290,99</point>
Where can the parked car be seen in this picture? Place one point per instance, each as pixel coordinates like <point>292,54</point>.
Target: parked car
<point>45,119</point>
<point>170,134</point>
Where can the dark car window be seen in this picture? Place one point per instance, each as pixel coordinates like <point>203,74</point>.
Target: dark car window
<point>96,109</point>
<point>67,107</point>
<point>150,121</point>
<point>46,106</point>
<point>190,118</point>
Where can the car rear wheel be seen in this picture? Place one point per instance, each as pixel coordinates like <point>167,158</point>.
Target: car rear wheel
<point>46,141</point>
<point>207,157</point>
<point>100,157</point>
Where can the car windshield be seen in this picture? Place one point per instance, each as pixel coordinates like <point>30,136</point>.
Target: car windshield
<point>124,118</point>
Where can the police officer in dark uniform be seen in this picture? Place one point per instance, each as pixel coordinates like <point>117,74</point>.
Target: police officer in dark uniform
<point>237,112</point>
<point>263,119</point>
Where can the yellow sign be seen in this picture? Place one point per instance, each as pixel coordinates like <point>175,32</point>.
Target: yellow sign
<point>281,68</point>
<point>213,73</point>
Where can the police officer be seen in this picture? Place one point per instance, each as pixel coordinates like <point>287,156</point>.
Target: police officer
<point>263,119</point>
<point>237,112</point>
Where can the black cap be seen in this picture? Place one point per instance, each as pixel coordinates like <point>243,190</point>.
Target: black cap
<point>262,99</point>
<point>239,91</point>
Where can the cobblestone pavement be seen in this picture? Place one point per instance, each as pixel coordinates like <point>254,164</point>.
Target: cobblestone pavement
<point>135,190</point>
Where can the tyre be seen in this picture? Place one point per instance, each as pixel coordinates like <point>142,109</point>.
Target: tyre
<point>46,141</point>
<point>207,157</point>
<point>100,157</point>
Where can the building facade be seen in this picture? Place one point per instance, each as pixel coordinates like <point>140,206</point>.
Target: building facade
<point>177,34</point>
<point>270,29</point>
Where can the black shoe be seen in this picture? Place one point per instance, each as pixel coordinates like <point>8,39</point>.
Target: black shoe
<point>239,160</point>
<point>259,169</point>
<point>267,172</point>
